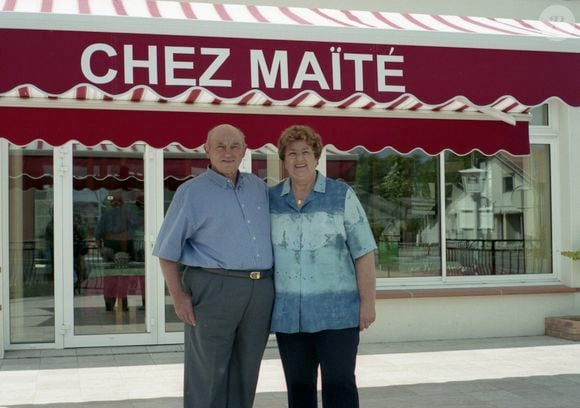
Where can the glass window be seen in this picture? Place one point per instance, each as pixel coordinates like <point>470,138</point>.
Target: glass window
<point>267,165</point>
<point>540,115</point>
<point>31,244</point>
<point>400,196</point>
<point>494,226</point>
<point>508,184</point>
<point>497,217</point>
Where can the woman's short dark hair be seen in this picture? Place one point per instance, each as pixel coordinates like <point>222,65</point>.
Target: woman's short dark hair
<point>296,133</point>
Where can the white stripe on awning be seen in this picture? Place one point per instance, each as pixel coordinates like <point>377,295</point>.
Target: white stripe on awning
<point>305,16</point>
<point>257,98</point>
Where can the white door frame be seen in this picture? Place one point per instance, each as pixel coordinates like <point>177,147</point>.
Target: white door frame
<point>154,213</point>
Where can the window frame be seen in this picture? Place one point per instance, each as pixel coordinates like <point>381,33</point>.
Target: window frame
<point>545,135</point>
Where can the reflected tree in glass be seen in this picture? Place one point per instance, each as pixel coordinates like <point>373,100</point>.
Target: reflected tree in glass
<point>399,194</point>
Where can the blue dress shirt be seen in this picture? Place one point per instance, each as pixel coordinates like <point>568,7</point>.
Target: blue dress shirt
<point>212,223</point>
<point>314,251</point>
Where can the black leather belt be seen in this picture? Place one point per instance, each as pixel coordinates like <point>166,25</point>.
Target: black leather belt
<point>253,275</point>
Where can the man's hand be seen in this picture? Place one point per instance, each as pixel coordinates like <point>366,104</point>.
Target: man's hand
<point>181,299</point>
<point>184,309</point>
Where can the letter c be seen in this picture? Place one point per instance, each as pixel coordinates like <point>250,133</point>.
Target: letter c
<point>86,63</point>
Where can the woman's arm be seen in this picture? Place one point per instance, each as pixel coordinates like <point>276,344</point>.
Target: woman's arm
<point>366,281</point>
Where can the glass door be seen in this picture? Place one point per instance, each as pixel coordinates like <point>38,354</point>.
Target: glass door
<point>30,304</point>
<point>106,286</point>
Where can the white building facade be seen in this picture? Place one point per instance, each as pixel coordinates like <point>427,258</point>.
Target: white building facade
<point>459,135</point>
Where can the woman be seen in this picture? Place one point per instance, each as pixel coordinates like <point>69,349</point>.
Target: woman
<point>324,275</point>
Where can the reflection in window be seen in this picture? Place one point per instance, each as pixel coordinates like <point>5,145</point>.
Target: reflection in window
<point>266,164</point>
<point>31,244</point>
<point>540,115</point>
<point>179,165</point>
<point>108,239</point>
<point>399,194</point>
<point>498,213</point>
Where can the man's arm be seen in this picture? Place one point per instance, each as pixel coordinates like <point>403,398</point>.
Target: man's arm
<point>366,281</point>
<point>181,300</point>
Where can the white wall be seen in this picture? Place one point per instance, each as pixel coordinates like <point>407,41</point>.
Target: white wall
<point>467,317</point>
<point>568,190</point>
<point>3,238</point>
<point>527,9</point>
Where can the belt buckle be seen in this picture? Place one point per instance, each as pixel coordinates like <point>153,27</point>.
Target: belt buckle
<point>255,275</point>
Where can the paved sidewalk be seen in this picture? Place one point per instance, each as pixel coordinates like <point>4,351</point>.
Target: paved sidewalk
<point>522,372</point>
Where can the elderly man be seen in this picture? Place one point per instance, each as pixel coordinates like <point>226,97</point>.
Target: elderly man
<point>218,227</point>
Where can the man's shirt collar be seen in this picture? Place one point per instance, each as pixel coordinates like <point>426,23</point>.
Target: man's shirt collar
<point>223,181</point>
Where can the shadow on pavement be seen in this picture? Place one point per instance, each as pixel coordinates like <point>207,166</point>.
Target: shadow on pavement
<point>561,391</point>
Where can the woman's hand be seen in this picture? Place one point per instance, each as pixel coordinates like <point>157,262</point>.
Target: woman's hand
<point>367,315</point>
<point>366,280</point>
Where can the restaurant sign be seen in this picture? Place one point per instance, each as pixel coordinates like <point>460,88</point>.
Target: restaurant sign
<point>268,69</point>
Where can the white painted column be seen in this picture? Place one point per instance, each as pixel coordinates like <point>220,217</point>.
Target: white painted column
<point>3,244</point>
<point>246,165</point>
<point>322,162</point>
<point>566,203</point>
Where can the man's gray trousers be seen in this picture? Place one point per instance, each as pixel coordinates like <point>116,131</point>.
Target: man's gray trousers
<point>224,350</point>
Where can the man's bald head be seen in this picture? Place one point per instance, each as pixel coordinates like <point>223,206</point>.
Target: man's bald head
<point>224,128</point>
<point>225,147</point>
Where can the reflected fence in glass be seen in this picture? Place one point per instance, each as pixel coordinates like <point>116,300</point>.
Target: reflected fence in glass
<point>486,257</point>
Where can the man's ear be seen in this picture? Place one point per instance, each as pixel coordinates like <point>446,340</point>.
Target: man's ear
<point>206,148</point>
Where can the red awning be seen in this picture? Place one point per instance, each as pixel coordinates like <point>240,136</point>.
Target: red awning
<point>347,73</point>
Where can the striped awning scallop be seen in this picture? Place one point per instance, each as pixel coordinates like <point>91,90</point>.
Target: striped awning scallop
<point>103,166</point>
<point>365,78</point>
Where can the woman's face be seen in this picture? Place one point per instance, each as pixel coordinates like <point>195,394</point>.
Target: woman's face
<point>299,161</point>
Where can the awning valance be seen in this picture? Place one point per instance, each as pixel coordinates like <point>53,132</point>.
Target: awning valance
<point>370,64</point>
<point>160,128</point>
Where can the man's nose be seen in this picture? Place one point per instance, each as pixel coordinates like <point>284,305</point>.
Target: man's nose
<point>229,150</point>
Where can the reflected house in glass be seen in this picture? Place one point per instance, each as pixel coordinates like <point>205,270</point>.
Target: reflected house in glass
<point>472,180</point>
<point>487,212</point>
